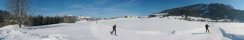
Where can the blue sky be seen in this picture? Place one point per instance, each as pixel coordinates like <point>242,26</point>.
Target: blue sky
<point>109,8</point>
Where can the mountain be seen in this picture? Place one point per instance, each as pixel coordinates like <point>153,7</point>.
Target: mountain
<point>214,11</point>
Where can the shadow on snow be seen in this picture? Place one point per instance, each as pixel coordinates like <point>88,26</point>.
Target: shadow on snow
<point>232,36</point>
<point>197,33</point>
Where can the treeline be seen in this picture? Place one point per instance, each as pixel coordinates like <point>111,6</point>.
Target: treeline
<point>6,19</point>
<point>40,20</point>
<point>18,13</point>
<point>45,20</point>
<point>3,17</point>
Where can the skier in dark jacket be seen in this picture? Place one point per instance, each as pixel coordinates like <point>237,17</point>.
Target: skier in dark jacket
<point>207,30</point>
<point>114,30</point>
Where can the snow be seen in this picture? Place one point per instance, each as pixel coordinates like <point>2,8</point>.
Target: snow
<point>127,29</point>
<point>233,30</point>
<point>156,29</point>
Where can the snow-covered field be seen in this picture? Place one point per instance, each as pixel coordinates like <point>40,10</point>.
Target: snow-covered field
<point>127,29</point>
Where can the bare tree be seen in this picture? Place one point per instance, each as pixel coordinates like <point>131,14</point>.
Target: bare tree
<point>19,10</point>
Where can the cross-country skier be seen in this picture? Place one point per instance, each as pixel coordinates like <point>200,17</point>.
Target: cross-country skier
<point>114,30</point>
<point>207,30</point>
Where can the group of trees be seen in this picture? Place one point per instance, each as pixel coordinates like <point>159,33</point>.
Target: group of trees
<point>45,20</point>
<point>3,17</point>
<point>40,20</point>
<point>17,13</point>
<point>69,19</point>
<point>6,19</point>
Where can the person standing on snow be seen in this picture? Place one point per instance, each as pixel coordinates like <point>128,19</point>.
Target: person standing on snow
<point>114,30</point>
<point>207,30</point>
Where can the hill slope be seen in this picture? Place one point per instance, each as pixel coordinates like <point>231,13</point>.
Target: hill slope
<point>214,11</point>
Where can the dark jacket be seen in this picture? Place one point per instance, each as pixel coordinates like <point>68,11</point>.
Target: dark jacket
<point>114,27</point>
<point>206,26</point>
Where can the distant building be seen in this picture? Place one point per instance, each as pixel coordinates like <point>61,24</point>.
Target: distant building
<point>83,18</point>
<point>115,17</point>
<point>131,16</point>
<point>159,15</point>
<point>143,17</point>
